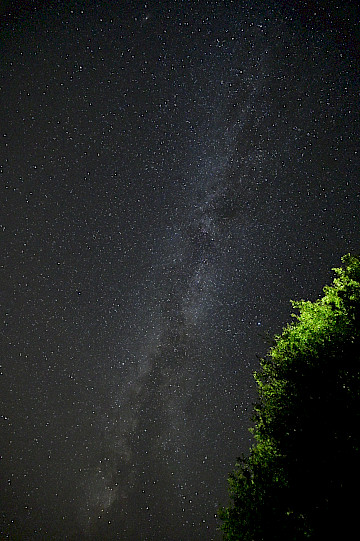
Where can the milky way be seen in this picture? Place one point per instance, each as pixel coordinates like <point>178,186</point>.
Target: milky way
<point>173,174</point>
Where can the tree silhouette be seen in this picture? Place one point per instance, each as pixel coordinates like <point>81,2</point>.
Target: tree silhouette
<point>300,480</point>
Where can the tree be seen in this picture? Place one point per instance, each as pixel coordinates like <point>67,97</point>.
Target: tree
<point>300,480</point>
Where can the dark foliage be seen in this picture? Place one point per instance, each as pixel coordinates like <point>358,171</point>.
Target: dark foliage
<point>300,480</point>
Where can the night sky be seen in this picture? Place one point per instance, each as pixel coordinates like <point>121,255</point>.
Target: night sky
<point>172,174</point>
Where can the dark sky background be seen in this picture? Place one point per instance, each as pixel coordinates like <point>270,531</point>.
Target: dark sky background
<point>172,174</point>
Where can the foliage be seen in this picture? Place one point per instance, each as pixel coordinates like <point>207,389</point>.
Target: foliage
<point>300,479</point>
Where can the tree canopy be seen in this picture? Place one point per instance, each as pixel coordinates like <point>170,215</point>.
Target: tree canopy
<point>300,480</point>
